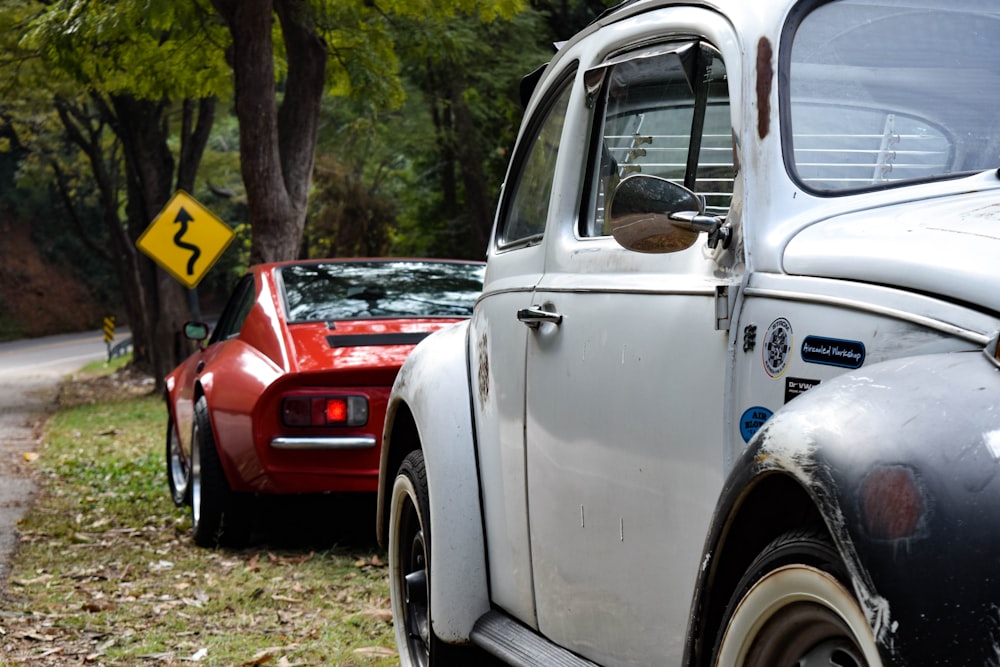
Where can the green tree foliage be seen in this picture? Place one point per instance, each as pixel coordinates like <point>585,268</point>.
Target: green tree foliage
<point>111,86</point>
<point>414,106</point>
<point>149,49</point>
<point>467,75</point>
<point>435,164</point>
<point>566,17</point>
<point>355,201</point>
<point>286,54</point>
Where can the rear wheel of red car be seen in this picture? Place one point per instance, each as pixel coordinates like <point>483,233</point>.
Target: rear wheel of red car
<point>409,570</point>
<point>219,517</point>
<point>178,467</point>
<point>792,607</point>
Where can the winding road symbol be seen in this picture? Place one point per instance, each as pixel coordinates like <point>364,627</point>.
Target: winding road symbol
<point>185,239</point>
<point>183,218</point>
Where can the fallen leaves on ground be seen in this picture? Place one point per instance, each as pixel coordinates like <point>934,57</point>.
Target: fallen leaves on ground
<point>91,588</point>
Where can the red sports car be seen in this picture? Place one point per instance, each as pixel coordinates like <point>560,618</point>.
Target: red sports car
<point>289,393</point>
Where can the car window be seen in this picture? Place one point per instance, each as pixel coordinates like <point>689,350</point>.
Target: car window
<point>526,206</point>
<point>663,111</point>
<point>882,92</point>
<point>236,310</point>
<point>328,291</point>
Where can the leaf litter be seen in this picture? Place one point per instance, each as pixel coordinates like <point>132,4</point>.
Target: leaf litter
<point>106,572</point>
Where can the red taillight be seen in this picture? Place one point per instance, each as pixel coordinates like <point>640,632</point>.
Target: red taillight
<point>324,411</point>
<point>336,410</point>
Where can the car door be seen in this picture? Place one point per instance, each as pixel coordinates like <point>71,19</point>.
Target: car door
<point>240,301</point>
<point>497,347</point>
<point>625,378</point>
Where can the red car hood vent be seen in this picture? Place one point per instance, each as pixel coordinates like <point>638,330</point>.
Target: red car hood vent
<point>364,340</point>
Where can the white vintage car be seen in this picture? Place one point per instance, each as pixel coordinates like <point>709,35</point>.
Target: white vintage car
<point>730,395</point>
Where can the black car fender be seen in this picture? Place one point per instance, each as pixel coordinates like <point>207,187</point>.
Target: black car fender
<point>901,462</point>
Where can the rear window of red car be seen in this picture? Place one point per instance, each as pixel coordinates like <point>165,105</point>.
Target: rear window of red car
<point>325,291</point>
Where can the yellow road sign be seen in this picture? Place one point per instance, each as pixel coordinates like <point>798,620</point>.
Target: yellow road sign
<point>186,239</point>
<point>109,328</point>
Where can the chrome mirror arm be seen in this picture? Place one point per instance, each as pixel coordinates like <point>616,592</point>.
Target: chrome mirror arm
<point>714,226</point>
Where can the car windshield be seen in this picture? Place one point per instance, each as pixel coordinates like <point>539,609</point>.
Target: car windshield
<point>891,91</point>
<point>326,291</point>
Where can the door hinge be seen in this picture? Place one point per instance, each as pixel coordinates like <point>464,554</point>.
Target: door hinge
<point>722,312</point>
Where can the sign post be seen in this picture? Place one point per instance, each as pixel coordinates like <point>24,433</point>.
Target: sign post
<point>109,333</point>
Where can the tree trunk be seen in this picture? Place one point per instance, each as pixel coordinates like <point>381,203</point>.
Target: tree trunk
<point>142,127</point>
<point>277,147</point>
<point>196,128</point>
<point>85,128</point>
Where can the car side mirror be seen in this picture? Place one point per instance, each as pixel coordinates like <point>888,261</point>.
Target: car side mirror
<point>651,214</point>
<point>196,331</point>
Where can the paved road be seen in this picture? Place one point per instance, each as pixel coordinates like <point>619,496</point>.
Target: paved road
<point>30,372</point>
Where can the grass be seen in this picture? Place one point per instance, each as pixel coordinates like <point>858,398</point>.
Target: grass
<point>10,328</point>
<point>106,572</point>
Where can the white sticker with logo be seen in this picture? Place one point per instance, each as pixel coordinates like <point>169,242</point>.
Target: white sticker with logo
<point>777,347</point>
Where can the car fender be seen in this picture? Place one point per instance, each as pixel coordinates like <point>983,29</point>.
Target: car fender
<point>902,462</point>
<point>432,387</point>
<point>233,381</point>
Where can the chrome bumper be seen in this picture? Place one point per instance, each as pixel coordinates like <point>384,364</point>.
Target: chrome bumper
<point>343,442</point>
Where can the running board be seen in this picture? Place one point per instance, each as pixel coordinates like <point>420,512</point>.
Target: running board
<point>517,645</point>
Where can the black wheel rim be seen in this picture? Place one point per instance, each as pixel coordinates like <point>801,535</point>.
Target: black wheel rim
<point>415,585</point>
<point>805,635</point>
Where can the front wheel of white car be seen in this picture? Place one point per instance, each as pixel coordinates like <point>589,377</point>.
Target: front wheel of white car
<point>793,608</point>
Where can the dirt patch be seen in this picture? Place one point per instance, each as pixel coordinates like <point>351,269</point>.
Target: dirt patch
<point>125,383</point>
<point>38,298</point>
<point>25,404</point>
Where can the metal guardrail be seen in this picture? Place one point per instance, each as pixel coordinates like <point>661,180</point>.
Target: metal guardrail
<point>119,349</point>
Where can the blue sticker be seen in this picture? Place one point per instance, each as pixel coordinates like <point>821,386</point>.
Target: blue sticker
<point>752,420</point>
<point>833,352</point>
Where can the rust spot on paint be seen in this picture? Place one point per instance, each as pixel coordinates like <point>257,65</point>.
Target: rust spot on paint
<point>892,503</point>
<point>737,167</point>
<point>483,372</point>
<point>765,76</point>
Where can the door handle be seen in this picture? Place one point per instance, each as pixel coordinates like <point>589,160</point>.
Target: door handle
<point>534,316</point>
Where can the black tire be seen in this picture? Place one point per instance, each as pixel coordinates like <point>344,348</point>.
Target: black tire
<point>219,517</point>
<point>793,607</point>
<point>409,571</point>
<point>178,467</point>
